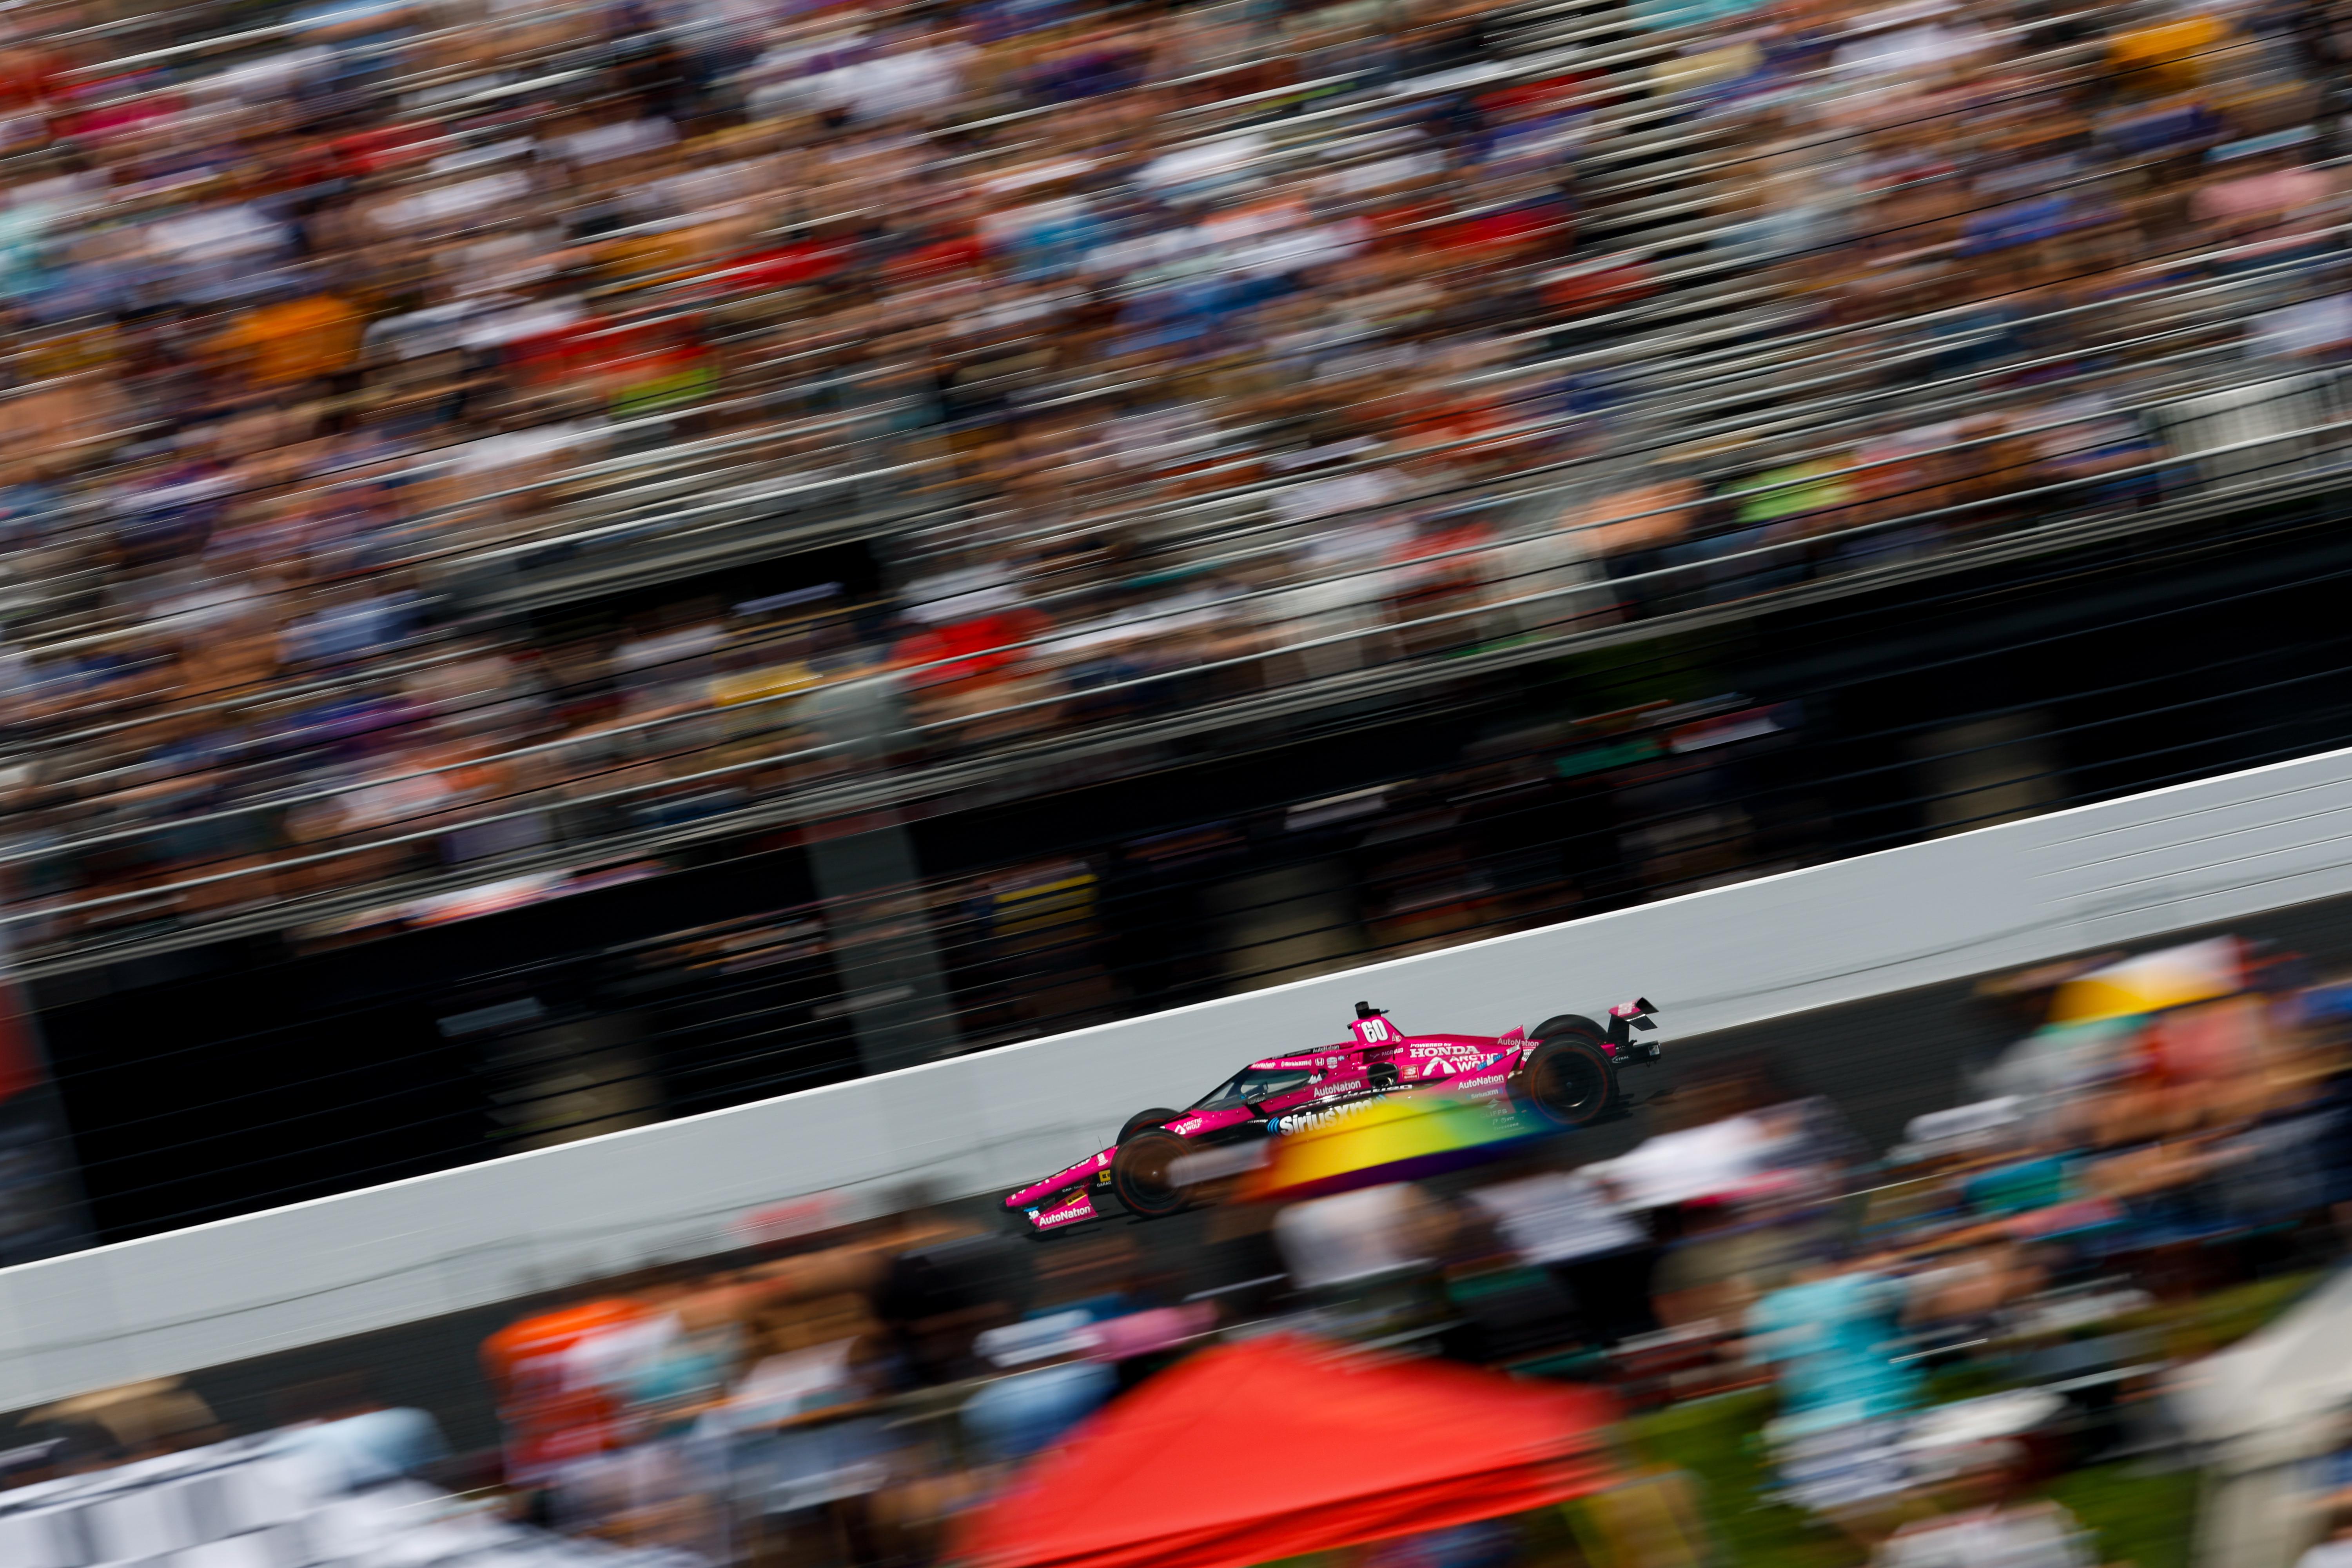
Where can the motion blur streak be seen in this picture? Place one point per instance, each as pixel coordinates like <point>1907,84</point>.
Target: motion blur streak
<point>566,566</point>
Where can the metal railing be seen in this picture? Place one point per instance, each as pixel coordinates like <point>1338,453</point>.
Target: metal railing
<point>630,531</point>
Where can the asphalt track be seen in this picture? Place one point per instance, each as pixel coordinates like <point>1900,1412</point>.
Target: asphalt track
<point>1882,1061</point>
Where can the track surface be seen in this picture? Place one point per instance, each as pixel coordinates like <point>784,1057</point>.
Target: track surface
<point>1882,1061</point>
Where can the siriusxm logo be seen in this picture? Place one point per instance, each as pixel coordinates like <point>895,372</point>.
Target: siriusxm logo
<point>1305,1121</point>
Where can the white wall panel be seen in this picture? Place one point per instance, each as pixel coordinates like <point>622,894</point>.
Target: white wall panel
<point>2215,851</point>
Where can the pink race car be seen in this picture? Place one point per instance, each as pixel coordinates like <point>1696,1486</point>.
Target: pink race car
<point>1562,1074</point>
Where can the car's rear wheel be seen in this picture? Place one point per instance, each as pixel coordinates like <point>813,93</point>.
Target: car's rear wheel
<point>1143,1173</point>
<point>1142,1118</point>
<point>1567,1023</point>
<point>1567,1079</point>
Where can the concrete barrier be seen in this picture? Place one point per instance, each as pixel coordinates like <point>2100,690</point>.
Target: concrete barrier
<point>2125,871</point>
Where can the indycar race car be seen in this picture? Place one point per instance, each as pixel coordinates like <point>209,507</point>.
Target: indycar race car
<point>1562,1074</point>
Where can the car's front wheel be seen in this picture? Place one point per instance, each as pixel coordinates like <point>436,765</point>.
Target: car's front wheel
<point>1143,1173</point>
<point>1567,1079</point>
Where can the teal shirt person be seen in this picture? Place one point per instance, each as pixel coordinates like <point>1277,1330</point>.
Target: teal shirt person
<point>1833,1342</point>
<point>24,231</point>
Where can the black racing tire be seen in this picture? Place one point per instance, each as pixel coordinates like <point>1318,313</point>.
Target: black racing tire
<point>1567,1023</point>
<point>1143,1118</point>
<point>1568,1078</point>
<point>1143,1173</point>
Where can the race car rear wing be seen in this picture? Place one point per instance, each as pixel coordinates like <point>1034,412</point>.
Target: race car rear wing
<point>1627,1017</point>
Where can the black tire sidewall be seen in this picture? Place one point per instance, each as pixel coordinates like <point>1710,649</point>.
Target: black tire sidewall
<point>1142,1146</point>
<point>1143,1121</point>
<point>1584,1042</point>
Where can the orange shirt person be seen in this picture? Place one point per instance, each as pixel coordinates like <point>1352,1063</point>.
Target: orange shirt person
<point>554,1417</point>
<point>294,340</point>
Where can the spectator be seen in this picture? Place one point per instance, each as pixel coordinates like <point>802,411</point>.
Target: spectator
<point>1987,1523</point>
<point>1211,402</point>
<point>1568,1224</point>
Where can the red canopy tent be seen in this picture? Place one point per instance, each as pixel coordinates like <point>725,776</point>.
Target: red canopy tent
<point>1277,1447</point>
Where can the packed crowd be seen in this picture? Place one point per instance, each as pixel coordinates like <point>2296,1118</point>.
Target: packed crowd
<point>1165,355</point>
<point>1928,1351</point>
<point>1927,1341</point>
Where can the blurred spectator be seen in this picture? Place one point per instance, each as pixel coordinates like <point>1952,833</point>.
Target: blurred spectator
<point>1013,1418</point>
<point>1380,1234</point>
<point>140,1420</point>
<point>1194,403</point>
<point>1569,1224</point>
<point>355,1443</point>
<point>1987,1523</point>
<point>2335,1552</point>
<point>857,1396</point>
<point>1828,1334</point>
<point>553,1415</point>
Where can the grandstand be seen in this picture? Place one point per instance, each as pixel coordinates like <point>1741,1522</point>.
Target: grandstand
<point>627,559</point>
